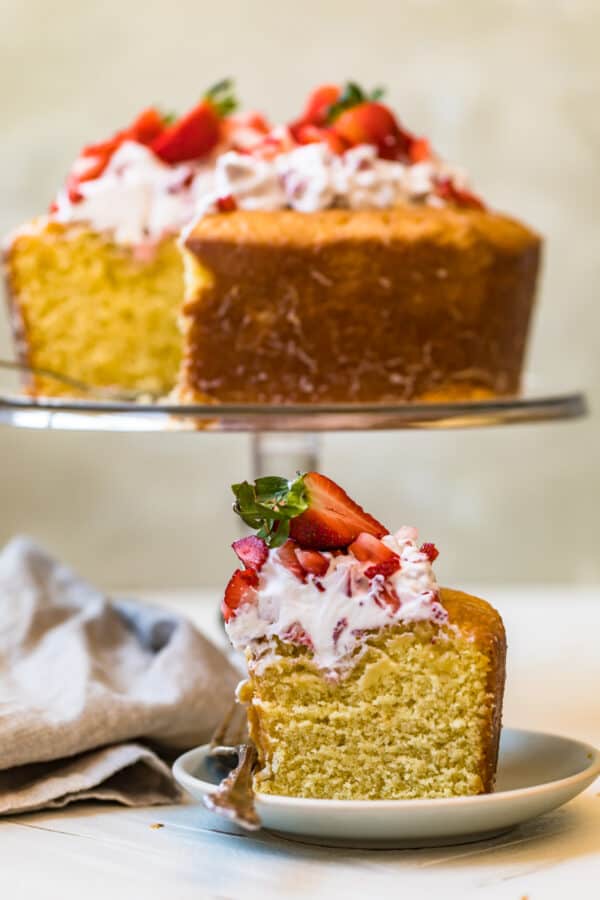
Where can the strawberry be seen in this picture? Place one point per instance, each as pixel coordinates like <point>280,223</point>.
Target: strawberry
<point>252,551</point>
<point>317,107</point>
<point>312,510</point>
<point>199,131</point>
<point>447,190</point>
<point>314,134</point>
<point>287,557</point>
<point>373,123</point>
<point>367,548</point>
<point>227,204</point>
<point>312,562</point>
<point>387,597</point>
<point>430,551</point>
<point>240,589</point>
<point>419,150</point>
<point>332,520</point>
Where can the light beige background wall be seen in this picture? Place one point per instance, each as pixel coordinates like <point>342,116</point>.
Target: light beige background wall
<point>510,88</point>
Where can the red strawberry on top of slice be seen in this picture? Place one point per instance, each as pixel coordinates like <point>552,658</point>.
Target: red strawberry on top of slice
<point>318,105</point>
<point>313,562</point>
<point>252,551</point>
<point>199,131</point>
<point>333,520</point>
<point>241,589</point>
<point>430,551</point>
<point>371,122</point>
<point>368,548</point>
<point>287,557</point>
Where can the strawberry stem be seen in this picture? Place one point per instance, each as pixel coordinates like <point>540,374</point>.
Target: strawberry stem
<point>269,504</point>
<point>222,97</point>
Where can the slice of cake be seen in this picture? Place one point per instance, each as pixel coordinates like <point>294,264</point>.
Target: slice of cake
<point>365,679</point>
<point>335,258</point>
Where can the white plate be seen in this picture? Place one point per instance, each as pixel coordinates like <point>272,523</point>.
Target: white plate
<point>536,773</point>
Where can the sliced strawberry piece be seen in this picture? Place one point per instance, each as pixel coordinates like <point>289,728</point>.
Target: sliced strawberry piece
<point>447,190</point>
<point>241,589</point>
<point>312,562</point>
<point>252,551</point>
<point>333,520</point>
<point>430,551</point>
<point>368,548</point>
<point>314,134</point>
<point>190,137</point>
<point>386,568</point>
<point>386,596</point>
<point>147,127</point>
<point>373,123</point>
<point>287,557</point>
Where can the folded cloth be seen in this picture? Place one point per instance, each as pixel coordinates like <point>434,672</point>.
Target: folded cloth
<point>87,683</point>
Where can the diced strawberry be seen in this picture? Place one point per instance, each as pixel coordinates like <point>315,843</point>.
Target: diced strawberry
<point>419,150</point>
<point>333,520</point>
<point>227,204</point>
<point>240,589</point>
<point>447,190</point>
<point>297,635</point>
<point>252,551</point>
<point>147,127</point>
<point>373,123</point>
<point>339,627</point>
<point>287,557</point>
<point>386,596</point>
<point>190,137</point>
<point>256,121</point>
<point>314,134</point>
<point>313,562</point>
<point>430,551</point>
<point>368,548</point>
<point>386,568</point>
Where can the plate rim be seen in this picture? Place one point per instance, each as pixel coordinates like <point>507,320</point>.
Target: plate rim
<point>591,771</point>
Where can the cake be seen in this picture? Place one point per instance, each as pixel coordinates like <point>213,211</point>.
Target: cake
<point>335,258</point>
<point>366,680</point>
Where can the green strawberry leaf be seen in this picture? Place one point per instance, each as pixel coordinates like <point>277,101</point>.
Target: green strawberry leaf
<point>268,504</point>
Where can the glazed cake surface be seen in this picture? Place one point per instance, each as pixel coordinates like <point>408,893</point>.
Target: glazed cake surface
<point>410,303</point>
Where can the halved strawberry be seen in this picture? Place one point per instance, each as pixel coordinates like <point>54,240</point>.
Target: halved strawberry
<point>252,551</point>
<point>374,123</point>
<point>287,557</point>
<point>313,562</point>
<point>199,131</point>
<point>240,589</point>
<point>333,520</point>
<point>419,150</point>
<point>192,136</point>
<point>430,551</point>
<point>367,548</point>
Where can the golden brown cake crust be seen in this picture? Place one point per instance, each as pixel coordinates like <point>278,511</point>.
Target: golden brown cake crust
<point>409,303</point>
<point>479,619</point>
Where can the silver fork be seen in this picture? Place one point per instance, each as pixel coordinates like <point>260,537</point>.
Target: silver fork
<point>233,798</point>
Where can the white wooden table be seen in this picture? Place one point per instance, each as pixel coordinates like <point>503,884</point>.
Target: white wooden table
<point>103,851</point>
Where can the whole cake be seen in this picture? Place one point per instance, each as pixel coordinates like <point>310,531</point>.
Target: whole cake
<point>366,680</point>
<point>335,258</point>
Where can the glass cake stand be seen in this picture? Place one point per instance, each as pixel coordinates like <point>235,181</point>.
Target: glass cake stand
<point>285,437</point>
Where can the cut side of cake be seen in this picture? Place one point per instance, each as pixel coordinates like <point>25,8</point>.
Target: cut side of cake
<point>365,679</point>
<point>335,258</point>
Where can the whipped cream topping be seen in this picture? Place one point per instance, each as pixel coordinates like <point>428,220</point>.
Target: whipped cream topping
<point>140,199</point>
<point>332,613</point>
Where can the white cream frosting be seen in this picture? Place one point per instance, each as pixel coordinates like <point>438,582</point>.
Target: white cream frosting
<point>336,615</point>
<point>139,199</point>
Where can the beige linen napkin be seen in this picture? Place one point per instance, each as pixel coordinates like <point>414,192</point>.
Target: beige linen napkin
<point>90,688</point>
